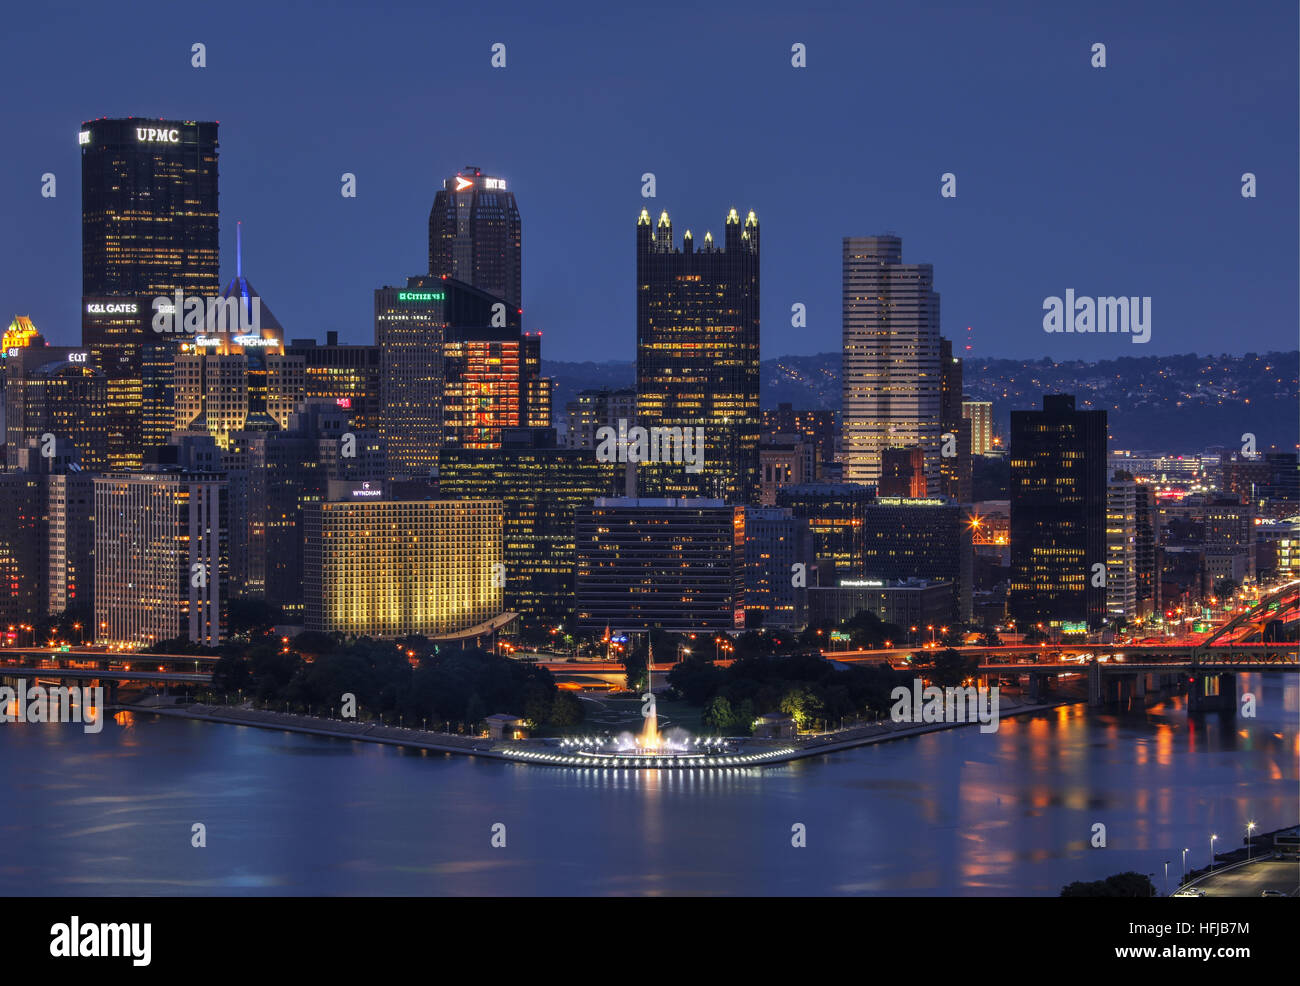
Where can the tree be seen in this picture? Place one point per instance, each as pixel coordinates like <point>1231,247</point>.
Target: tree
<point>1128,884</point>
<point>719,715</point>
<point>951,669</point>
<point>802,705</point>
<point>567,710</point>
<point>250,617</point>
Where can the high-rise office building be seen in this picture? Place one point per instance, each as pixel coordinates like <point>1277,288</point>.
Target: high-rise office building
<point>819,431</point>
<point>160,557</point>
<point>892,368</point>
<point>955,474</point>
<point>55,394</point>
<point>540,487</point>
<point>492,383</point>
<point>221,388</point>
<point>348,375</point>
<point>1058,515</point>
<point>416,328</point>
<point>149,228</point>
<point>474,235</point>
<point>592,410</point>
<point>926,538</point>
<point>391,568</point>
<point>1121,549</point>
<point>697,328</point>
<point>670,564</point>
<point>902,472</point>
<point>980,416</point>
<point>22,587</point>
<point>836,515</point>
<point>778,545</point>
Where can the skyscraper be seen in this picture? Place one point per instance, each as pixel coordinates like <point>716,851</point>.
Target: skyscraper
<point>954,453</point>
<point>160,554</point>
<point>980,416</point>
<point>891,369</point>
<point>149,228</point>
<point>540,487</point>
<point>474,234</point>
<point>697,358</point>
<point>1058,515</point>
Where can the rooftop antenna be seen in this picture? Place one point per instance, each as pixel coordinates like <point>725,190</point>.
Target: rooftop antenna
<point>239,248</point>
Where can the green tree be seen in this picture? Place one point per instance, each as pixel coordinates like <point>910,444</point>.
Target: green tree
<point>802,705</point>
<point>719,715</point>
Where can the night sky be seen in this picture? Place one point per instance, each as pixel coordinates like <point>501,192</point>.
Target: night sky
<point>1123,180</point>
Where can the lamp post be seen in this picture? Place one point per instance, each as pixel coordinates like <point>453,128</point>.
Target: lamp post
<point>1250,827</point>
<point>1184,867</point>
<point>1166,878</point>
<point>1212,838</point>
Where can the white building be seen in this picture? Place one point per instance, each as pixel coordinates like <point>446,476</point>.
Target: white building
<point>891,370</point>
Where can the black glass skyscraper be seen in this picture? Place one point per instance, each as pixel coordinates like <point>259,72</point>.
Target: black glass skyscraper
<point>1058,515</point>
<point>697,354</point>
<point>474,235</point>
<point>149,228</point>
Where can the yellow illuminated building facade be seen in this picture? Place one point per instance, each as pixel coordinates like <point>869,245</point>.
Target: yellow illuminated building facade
<point>391,568</point>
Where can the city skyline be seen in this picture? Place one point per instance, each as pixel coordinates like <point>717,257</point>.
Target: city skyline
<point>365,597</point>
<point>320,255</point>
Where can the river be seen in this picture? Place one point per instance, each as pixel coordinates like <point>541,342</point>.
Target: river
<point>950,813</point>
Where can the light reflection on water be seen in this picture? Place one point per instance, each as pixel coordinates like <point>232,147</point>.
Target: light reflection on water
<point>957,812</point>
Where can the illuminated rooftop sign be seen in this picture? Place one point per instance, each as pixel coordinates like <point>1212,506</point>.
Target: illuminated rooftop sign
<point>83,137</point>
<point>155,135</point>
<point>123,308</point>
<point>862,583</point>
<point>420,296</point>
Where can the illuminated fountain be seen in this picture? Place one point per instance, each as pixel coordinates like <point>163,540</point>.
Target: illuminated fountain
<point>674,748</point>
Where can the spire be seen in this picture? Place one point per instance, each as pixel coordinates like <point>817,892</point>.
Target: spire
<point>239,248</point>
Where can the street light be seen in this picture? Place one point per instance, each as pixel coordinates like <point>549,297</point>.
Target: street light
<point>1166,878</point>
<point>1212,838</point>
<point>1250,827</point>
<point>1184,867</point>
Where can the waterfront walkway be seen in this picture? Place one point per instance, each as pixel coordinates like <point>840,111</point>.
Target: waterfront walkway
<point>478,746</point>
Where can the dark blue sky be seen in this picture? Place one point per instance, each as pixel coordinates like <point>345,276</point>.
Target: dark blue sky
<point>1124,180</point>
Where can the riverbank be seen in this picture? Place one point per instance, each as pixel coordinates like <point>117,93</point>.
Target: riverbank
<point>529,751</point>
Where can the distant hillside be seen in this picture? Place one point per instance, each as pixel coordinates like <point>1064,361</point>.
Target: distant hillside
<point>1185,402</point>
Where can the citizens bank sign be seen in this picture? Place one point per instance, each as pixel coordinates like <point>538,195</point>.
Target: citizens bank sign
<point>155,136</point>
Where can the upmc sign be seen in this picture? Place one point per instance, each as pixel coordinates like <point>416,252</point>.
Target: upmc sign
<point>156,135</point>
